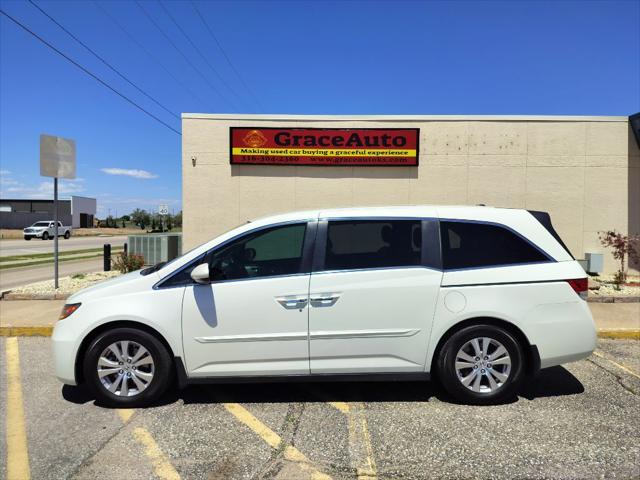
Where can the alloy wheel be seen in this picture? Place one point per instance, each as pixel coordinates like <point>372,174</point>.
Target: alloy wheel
<point>483,365</point>
<point>125,368</point>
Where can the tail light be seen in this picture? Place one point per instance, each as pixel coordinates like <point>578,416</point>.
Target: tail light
<point>580,286</point>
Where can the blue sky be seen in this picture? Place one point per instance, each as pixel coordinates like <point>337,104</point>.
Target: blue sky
<point>446,57</point>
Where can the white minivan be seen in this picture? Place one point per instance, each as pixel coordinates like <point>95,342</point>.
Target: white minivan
<point>477,297</point>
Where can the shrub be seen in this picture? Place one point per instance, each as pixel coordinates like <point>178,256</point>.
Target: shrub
<point>623,248</point>
<point>126,263</point>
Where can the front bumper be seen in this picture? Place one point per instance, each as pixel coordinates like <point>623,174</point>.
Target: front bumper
<point>65,348</point>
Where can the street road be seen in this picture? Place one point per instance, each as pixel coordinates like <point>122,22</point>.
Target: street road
<point>14,277</point>
<point>576,421</point>
<point>24,247</point>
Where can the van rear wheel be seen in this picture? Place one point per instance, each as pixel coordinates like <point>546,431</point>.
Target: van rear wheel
<point>126,367</point>
<point>481,365</point>
<point>45,236</point>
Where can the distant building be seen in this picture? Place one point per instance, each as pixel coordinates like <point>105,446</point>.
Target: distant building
<point>78,212</point>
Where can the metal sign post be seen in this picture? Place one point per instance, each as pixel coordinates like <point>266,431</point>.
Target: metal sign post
<point>55,232</point>
<point>57,160</point>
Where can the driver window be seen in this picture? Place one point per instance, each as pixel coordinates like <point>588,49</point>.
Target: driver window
<point>274,251</point>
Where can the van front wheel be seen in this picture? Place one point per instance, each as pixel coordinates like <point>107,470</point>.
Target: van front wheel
<point>126,367</point>
<point>481,365</point>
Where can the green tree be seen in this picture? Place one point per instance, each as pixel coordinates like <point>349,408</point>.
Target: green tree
<point>140,218</point>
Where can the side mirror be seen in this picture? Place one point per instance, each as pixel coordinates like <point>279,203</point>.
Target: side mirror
<point>200,274</point>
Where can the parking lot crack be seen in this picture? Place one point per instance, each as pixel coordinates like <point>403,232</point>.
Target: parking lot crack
<point>618,378</point>
<point>87,461</point>
<point>288,430</point>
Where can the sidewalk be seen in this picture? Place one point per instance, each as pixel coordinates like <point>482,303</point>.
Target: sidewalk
<point>37,317</point>
<point>29,317</point>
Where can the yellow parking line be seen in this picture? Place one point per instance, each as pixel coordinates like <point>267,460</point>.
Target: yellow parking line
<point>161,465</point>
<point>621,367</point>
<point>360,447</point>
<point>125,414</point>
<point>273,440</point>
<point>17,449</point>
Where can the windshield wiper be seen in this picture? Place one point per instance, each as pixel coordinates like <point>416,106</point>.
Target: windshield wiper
<point>154,268</point>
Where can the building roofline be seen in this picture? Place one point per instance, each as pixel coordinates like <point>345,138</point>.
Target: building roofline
<point>400,118</point>
<point>50,200</point>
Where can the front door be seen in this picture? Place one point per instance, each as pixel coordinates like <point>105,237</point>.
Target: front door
<point>253,318</point>
<point>373,297</point>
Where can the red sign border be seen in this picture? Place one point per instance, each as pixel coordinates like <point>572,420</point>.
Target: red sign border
<point>231,129</point>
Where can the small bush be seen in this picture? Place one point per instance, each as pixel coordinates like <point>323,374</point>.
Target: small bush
<point>78,276</point>
<point>126,263</point>
<point>623,247</point>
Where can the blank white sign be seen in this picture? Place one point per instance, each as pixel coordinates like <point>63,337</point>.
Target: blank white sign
<point>57,157</point>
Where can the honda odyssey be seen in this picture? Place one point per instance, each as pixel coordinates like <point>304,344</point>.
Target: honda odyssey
<point>477,297</point>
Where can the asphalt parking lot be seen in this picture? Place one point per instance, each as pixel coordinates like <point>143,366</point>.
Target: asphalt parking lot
<point>577,421</point>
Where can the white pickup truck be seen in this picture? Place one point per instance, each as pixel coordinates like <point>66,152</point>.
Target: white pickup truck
<point>46,230</point>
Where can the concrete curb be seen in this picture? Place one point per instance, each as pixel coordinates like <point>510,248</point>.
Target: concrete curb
<point>41,331</point>
<point>620,334</point>
<point>612,299</point>
<point>8,296</point>
<point>46,331</point>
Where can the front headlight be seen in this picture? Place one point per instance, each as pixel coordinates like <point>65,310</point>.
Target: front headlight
<point>68,309</point>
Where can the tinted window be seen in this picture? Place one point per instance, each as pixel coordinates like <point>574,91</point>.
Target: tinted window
<point>469,245</point>
<point>274,251</point>
<point>372,244</point>
<point>269,252</point>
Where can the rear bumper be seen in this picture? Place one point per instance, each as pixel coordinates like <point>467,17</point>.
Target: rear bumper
<point>562,332</point>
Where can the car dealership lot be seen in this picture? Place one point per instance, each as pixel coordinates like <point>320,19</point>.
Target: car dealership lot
<point>578,421</point>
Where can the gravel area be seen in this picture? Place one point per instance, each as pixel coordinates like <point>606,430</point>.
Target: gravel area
<point>603,286</point>
<point>67,285</point>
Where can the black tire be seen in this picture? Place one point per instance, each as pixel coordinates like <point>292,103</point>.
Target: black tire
<point>67,235</point>
<point>45,236</point>
<point>448,375</point>
<point>162,368</point>
<point>27,238</point>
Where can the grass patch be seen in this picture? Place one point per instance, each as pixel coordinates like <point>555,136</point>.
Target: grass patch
<point>18,258</point>
<point>49,260</point>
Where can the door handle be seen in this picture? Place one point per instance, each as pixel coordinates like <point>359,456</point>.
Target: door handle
<point>325,300</point>
<point>292,303</point>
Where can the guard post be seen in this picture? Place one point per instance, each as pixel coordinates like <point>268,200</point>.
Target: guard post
<point>106,253</point>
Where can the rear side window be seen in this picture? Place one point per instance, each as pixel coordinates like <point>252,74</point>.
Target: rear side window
<point>372,244</point>
<point>474,245</point>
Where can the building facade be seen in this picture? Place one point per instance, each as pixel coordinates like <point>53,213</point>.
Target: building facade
<point>79,212</point>
<point>584,171</point>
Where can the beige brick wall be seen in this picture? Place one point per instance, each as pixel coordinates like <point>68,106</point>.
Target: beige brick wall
<point>584,171</point>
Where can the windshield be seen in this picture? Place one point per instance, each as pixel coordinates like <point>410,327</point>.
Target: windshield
<point>40,224</point>
<point>161,265</point>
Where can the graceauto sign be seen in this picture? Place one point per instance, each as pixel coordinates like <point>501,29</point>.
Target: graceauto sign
<point>389,147</point>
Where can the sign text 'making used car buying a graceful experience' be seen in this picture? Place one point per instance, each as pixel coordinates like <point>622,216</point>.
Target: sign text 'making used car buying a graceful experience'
<point>397,147</point>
